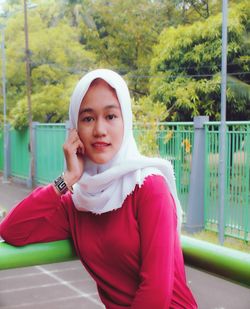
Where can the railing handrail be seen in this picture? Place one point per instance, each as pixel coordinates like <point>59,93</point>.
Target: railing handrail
<point>227,123</point>
<point>173,141</point>
<point>228,263</point>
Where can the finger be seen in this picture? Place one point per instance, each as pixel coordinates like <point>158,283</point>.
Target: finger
<point>73,137</point>
<point>72,131</point>
<point>80,148</point>
<point>79,151</point>
<point>70,147</point>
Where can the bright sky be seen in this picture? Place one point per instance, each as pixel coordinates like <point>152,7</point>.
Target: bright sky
<point>1,4</point>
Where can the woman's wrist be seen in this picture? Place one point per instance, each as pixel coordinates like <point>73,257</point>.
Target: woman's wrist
<point>64,183</point>
<point>69,179</point>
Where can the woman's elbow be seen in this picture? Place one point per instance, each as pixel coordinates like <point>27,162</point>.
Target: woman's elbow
<point>3,231</point>
<point>9,237</point>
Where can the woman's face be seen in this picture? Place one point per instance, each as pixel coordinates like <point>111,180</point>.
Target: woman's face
<point>100,122</point>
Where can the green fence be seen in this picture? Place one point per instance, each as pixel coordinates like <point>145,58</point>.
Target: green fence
<point>175,142</point>
<point>49,162</point>
<point>1,150</point>
<point>19,153</point>
<point>237,199</point>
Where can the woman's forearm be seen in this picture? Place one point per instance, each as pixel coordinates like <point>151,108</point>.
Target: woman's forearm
<point>31,220</point>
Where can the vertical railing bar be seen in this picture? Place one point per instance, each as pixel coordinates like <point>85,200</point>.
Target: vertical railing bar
<point>229,198</point>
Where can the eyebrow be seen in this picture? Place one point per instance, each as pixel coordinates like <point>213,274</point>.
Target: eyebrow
<point>91,110</point>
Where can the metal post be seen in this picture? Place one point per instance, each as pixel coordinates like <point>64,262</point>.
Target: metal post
<point>195,210</point>
<point>34,135</point>
<point>67,128</point>
<point>28,83</point>
<point>222,155</point>
<point>5,170</point>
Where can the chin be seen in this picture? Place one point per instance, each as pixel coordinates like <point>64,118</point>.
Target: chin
<point>100,160</point>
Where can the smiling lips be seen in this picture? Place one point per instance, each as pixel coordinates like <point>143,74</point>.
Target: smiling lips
<point>100,145</point>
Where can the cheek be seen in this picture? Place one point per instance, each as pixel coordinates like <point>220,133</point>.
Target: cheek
<point>119,133</point>
<point>82,133</point>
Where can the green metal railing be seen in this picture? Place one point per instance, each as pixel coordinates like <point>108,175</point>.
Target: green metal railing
<point>237,206</point>
<point>175,142</point>
<point>49,155</point>
<point>1,150</point>
<point>19,153</point>
<point>228,263</point>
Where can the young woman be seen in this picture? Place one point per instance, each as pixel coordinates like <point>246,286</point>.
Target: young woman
<point>120,208</point>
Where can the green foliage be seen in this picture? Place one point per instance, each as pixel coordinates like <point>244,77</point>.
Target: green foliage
<point>57,58</point>
<point>70,37</point>
<point>122,33</point>
<point>48,105</point>
<point>240,88</point>
<point>186,66</point>
<point>147,116</point>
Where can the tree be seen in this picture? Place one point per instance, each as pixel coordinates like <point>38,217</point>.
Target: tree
<point>147,116</point>
<point>50,105</point>
<point>73,9</point>
<point>57,59</point>
<point>186,67</point>
<point>122,33</point>
<point>189,11</point>
<point>69,37</point>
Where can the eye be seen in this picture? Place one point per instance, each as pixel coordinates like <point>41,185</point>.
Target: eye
<point>87,119</point>
<point>111,116</point>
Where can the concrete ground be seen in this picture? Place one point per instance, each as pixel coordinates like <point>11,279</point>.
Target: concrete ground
<point>68,285</point>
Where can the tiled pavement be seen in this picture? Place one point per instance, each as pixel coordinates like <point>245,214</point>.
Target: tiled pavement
<point>57,286</point>
<point>67,285</point>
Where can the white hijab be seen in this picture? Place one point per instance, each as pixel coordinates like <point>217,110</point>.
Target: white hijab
<point>104,187</point>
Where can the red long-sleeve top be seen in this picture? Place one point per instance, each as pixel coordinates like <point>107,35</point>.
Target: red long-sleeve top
<point>133,253</point>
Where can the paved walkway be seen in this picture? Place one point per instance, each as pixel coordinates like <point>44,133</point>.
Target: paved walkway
<point>67,285</point>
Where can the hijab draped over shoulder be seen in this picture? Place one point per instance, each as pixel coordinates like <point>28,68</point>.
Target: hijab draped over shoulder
<point>104,187</point>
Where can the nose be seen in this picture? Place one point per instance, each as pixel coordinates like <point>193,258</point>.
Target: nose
<point>99,128</point>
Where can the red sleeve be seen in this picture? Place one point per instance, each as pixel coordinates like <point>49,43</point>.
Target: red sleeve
<point>40,217</point>
<point>157,225</point>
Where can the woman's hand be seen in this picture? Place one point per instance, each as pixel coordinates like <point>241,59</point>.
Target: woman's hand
<point>73,149</point>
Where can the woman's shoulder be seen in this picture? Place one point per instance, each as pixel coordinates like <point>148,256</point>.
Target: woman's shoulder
<point>152,187</point>
<point>153,183</point>
<point>152,197</point>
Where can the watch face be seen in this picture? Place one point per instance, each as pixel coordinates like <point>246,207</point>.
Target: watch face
<point>61,185</point>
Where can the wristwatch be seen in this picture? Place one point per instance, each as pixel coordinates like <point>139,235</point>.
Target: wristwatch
<point>61,185</point>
